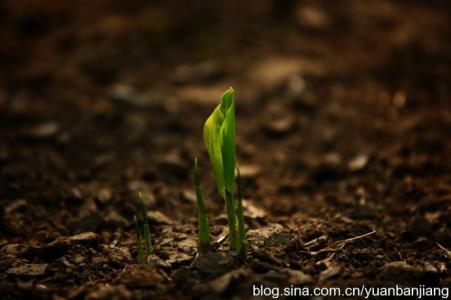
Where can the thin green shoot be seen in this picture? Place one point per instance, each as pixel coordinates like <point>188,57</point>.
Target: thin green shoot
<point>204,229</point>
<point>140,257</point>
<point>147,239</point>
<point>242,250</point>
<point>143,239</point>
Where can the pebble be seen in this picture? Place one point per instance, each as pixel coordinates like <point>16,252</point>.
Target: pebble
<point>158,217</point>
<point>274,71</point>
<point>108,292</point>
<point>28,270</point>
<point>44,130</point>
<point>358,162</point>
<point>297,277</point>
<point>213,263</point>
<point>85,238</point>
<point>329,273</point>
<point>249,171</point>
<point>399,271</point>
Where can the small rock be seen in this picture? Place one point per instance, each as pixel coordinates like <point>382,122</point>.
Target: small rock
<point>122,92</point>
<point>158,217</point>
<point>119,255</point>
<point>15,206</point>
<point>104,195</point>
<point>296,85</point>
<point>11,249</point>
<point>115,220</point>
<point>400,271</point>
<point>249,171</point>
<point>44,130</point>
<point>213,263</point>
<point>142,276</point>
<point>220,284</point>
<point>296,277</point>
<point>358,162</point>
<point>189,195</point>
<point>252,211</point>
<point>329,273</point>
<point>28,270</point>
<point>42,288</point>
<point>85,238</point>
<point>179,259</point>
<point>280,125</point>
<point>312,17</point>
<point>108,292</point>
<point>273,72</point>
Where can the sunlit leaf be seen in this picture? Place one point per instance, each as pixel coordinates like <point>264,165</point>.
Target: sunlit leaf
<point>219,133</point>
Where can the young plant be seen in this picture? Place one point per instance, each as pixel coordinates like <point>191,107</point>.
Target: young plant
<point>240,217</point>
<point>219,139</point>
<point>143,240</point>
<point>204,229</point>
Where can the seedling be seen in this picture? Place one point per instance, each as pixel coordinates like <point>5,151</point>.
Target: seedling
<point>143,240</point>
<point>204,229</point>
<point>240,216</point>
<point>219,139</point>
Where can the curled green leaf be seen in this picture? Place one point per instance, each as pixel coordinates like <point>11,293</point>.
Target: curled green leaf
<point>219,139</point>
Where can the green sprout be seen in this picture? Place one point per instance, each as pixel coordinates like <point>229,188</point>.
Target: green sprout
<point>204,229</point>
<point>219,139</point>
<point>240,217</point>
<point>143,240</point>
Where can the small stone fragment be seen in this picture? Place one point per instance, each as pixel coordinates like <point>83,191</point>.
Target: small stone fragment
<point>329,273</point>
<point>280,125</point>
<point>213,263</point>
<point>44,130</point>
<point>85,238</point>
<point>220,284</point>
<point>249,171</point>
<point>142,276</point>
<point>400,271</point>
<point>109,292</point>
<point>297,277</point>
<point>358,162</point>
<point>115,220</point>
<point>189,195</point>
<point>158,217</point>
<point>28,270</point>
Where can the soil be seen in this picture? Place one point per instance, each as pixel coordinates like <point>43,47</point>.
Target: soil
<point>343,140</point>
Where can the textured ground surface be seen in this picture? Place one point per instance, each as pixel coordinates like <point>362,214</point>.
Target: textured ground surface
<point>344,137</point>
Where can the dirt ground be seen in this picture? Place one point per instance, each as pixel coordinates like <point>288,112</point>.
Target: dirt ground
<point>343,139</point>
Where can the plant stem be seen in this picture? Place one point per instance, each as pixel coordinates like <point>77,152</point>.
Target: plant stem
<point>141,258</point>
<point>231,218</point>
<point>240,217</point>
<point>204,229</point>
<point>147,238</point>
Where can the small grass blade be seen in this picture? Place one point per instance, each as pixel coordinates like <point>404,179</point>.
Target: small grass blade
<point>146,227</point>
<point>240,217</point>
<point>141,259</point>
<point>204,228</point>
